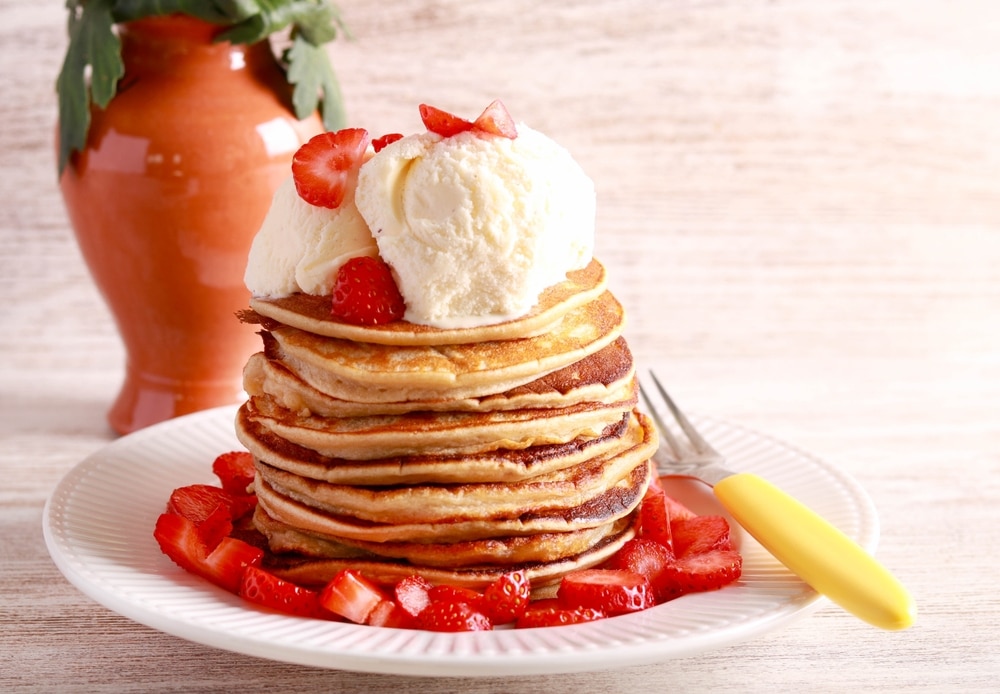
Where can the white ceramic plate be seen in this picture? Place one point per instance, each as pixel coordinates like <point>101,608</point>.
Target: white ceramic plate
<point>98,526</point>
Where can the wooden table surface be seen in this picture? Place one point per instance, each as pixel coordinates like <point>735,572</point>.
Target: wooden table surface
<point>799,204</point>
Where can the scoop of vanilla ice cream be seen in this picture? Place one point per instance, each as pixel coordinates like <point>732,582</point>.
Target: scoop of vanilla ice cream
<point>476,226</point>
<point>300,247</point>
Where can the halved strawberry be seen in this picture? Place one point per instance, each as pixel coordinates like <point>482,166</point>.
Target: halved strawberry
<point>412,594</point>
<point>209,508</point>
<point>700,534</point>
<point>706,571</point>
<point>351,595</point>
<point>654,518</point>
<point>322,168</point>
<point>264,588</point>
<point>453,616</point>
<point>554,616</point>
<point>443,123</point>
<point>379,143</point>
<point>506,599</point>
<point>647,558</point>
<point>235,471</point>
<point>179,539</point>
<point>611,591</point>
<point>445,592</point>
<point>495,120</point>
<point>389,614</point>
<point>364,293</point>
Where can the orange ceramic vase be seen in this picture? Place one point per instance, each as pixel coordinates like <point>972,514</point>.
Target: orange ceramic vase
<point>175,180</point>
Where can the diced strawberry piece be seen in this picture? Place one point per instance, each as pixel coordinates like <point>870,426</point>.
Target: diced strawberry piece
<point>676,509</point>
<point>700,534</point>
<point>225,564</point>
<point>550,616</point>
<point>264,588</point>
<point>705,571</point>
<point>412,594</point>
<point>647,558</point>
<point>351,595</point>
<point>365,293</point>
<point>506,599</point>
<point>322,168</point>
<point>449,593</point>
<point>442,122</point>
<point>235,471</point>
<point>495,120</point>
<point>453,616</point>
<point>611,591</point>
<point>389,614</point>
<point>379,143</point>
<point>654,518</point>
<point>180,540</point>
<point>209,508</point>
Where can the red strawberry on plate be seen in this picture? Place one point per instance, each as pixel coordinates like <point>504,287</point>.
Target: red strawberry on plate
<point>180,540</point>
<point>453,616</point>
<point>555,616</point>
<point>323,167</point>
<point>506,599</point>
<point>700,534</point>
<point>364,293</point>
<point>352,596</point>
<point>264,588</point>
<point>611,591</point>
<point>235,471</point>
<point>701,572</point>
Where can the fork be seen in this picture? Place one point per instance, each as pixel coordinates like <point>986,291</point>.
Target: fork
<point>808,545</point>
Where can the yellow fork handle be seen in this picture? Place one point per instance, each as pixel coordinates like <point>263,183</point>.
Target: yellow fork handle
<point>817,552</point>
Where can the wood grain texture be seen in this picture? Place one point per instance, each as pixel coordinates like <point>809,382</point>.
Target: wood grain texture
<point>799,205</point>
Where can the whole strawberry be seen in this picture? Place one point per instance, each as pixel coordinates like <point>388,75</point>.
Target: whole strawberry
<point>365,293</point>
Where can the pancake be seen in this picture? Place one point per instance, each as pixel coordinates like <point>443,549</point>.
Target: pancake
<point>604,377</point>
<point>375,373</point>
<point>436,503</point>
<point>611,504</point>
<point>315,572</point>
<point>312,314</point>
<point>444,433</point>
<point>492,551</point>
<point>493,466</point>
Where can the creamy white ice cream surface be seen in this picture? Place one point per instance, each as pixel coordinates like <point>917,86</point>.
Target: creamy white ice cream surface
<point>476,226</point>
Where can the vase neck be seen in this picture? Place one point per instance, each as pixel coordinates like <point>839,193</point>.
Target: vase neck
<point>171,42</point>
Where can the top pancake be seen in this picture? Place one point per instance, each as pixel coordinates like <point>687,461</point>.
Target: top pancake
<point>312,314</point>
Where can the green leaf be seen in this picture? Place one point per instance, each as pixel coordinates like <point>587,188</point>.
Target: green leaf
<point>216,12</point>
<point>316,85</point>
<point>315,19</point>
<point>94,45</point>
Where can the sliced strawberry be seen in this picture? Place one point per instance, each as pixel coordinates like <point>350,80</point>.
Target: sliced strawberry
<point>506,599</point>
<point>647,558</point>
<point>351,595</point>
<point>442,122</point>
<point>453,616</point>
<point>224,566</point>
<point>180,540</point>
<point>495,120</point>
<point>379,143</point>
<point>264,588</point>
<point>700,572</point>
<point>412,594</point>
<point>389,614</point>
<point>322,168</point>
<point>654,518</point>
<point>676,509</point>
<point>209,508</point>
<point>611,591</point>
<point>235,471</point>
<point>554,616</point>
<point>449,593</point>
<point>364,293</point>
<point>700,534</point>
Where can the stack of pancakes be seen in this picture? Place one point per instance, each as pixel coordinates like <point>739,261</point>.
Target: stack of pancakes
<point>457,454</point>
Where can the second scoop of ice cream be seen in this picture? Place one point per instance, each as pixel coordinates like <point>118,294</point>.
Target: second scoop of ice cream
<point>475,226</point>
